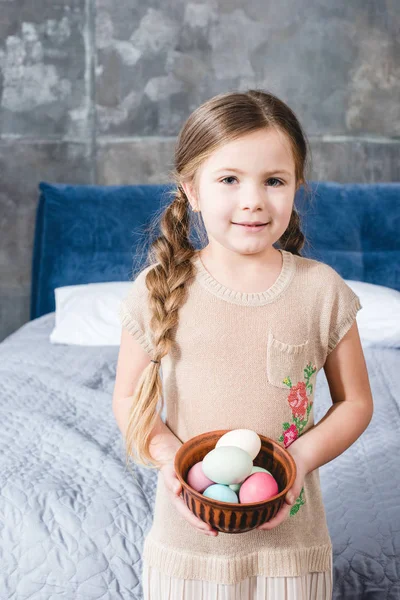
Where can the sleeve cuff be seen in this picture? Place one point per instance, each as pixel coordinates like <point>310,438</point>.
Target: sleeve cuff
<point>345,324</point>
<point>132,326</point>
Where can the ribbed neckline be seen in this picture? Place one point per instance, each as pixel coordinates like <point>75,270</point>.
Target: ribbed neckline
<point>248,298</point>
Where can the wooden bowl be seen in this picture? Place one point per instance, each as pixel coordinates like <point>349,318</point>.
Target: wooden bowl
<point>232,517</point>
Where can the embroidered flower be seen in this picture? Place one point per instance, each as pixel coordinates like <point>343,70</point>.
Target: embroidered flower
<point>290,435</point>
<point>300,406</point>
<point>298,399</point>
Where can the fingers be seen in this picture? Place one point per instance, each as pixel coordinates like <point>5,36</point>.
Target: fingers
<point>189,516</point>
<point>277,520</point>
<point>192,519</point>
<point>175,489</point>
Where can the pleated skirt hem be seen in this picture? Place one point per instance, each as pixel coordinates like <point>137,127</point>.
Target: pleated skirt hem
<point>312,586</point>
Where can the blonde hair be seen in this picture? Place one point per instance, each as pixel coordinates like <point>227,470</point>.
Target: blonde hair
<point>223,118</point>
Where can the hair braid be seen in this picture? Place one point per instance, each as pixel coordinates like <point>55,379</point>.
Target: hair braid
<point>172,252</point>
<point>293,238</point>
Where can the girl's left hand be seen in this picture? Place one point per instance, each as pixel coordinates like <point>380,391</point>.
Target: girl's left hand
<point>291,495</point>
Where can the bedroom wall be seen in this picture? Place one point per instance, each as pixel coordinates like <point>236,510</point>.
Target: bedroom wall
<point>94,91</point>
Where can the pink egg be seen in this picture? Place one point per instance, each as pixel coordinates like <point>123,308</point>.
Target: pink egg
<point>196,478</point>
<point>258,487</point>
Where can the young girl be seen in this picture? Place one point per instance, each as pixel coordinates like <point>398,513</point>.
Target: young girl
<point>240,329</point>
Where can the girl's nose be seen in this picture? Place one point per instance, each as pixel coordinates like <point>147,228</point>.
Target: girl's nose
<point>253,198</point>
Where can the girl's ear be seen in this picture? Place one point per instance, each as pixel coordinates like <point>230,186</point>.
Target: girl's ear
<point>188,189</point>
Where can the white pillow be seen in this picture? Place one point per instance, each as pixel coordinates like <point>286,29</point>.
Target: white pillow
<point>87,314</point>
<point>379,319</point>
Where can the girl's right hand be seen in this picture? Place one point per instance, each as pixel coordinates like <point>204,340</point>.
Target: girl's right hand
<point>174,489</point>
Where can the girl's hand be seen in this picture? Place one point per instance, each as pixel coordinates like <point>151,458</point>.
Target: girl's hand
<point>291,495</point>
<point>174,489</point>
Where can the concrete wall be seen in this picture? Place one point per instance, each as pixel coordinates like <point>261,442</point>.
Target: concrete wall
<point>95,91</point>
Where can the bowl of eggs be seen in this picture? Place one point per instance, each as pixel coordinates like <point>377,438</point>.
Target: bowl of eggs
<point>234,480</point>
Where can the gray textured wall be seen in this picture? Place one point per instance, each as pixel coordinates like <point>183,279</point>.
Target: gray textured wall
<point>95,91</point>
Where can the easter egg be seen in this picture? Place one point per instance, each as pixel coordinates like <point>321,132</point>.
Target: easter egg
<point>259,470</point>
<point>227,465</point>
<point>196,478</point>
<point>246,439</point>
<point>235,487</point>
<point>221,492</point>
<point>258,488</point>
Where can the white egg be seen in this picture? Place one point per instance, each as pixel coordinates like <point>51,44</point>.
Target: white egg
<point>246,439</point>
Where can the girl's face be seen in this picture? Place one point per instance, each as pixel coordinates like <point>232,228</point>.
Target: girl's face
<point>246,180</point>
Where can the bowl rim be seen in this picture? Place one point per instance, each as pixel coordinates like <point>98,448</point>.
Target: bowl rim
<point>237,505</point>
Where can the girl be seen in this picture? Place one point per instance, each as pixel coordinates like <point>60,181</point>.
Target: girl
<point>240,329</point>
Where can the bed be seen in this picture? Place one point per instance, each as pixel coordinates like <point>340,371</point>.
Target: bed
<point>72,518</point>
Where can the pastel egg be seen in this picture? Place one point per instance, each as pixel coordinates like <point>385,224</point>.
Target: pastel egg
<point>196,478</point>
<point>221,492</point>
<point>259,470</point>
<point>235,487</point>
<point>246,439</point>
<point>227,465</point>
<point>257,488</point>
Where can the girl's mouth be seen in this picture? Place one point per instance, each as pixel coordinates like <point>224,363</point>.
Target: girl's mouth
<point>252,227</point>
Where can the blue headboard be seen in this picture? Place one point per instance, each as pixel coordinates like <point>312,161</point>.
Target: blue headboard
<point>90,233</point>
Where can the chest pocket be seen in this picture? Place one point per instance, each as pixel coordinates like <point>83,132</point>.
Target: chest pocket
<point>286,360</point>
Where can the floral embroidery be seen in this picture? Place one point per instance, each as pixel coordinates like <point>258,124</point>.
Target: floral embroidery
<point>300,406</point>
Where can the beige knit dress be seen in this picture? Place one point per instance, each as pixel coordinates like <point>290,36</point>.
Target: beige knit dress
<point>245,360</point>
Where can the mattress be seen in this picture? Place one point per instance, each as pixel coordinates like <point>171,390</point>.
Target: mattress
<point>73,518</point>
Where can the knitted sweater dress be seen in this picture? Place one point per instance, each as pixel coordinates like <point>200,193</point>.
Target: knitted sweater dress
<point>245,360</point>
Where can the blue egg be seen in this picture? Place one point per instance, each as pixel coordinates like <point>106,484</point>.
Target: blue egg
<point>220,492</point>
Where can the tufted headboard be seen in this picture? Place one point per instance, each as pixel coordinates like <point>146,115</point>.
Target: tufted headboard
<point>89,233</point>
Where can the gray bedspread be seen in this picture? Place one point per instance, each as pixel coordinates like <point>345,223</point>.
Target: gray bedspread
<point>73,519</point>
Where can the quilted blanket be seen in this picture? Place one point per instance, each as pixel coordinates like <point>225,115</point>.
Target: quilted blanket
<point>73,518</point>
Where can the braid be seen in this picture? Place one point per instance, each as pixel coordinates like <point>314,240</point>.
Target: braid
<point>166,282</point>
<point>293,238</point>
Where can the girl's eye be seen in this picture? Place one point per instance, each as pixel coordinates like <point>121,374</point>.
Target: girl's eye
<point>270,179</point>
<point>275,179</point>
<point>231,177</point>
